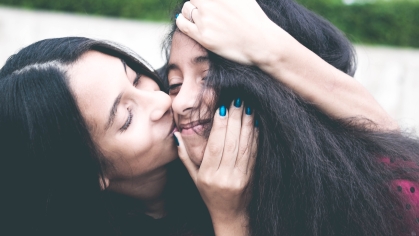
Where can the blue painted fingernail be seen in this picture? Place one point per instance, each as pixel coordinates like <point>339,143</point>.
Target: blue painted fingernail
<point>223,110</point>
<point>248,111</point>
<point>256,123</point>
<point>177,15</point>
<point>176,141</point>
<point>238,103</point>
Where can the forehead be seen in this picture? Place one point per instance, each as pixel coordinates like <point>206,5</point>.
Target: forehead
<point>94,80</point>
<point>184,48</point>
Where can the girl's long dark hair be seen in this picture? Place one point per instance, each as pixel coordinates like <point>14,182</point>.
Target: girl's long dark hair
<point>316,175</point>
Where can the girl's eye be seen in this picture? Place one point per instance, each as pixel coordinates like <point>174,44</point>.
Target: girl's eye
<point>174,89</point>
<point>136,80</point>
<point>128,122</point>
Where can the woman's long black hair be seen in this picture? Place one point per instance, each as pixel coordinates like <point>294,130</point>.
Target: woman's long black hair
<point>316,175</point>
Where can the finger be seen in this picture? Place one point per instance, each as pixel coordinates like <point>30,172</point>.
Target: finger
<point>253,151</point>
<point>247,137</point>
<point>190,12</point>
<point>187,27</point>
<point>215,145</point>
<point>196,3</point>
<point>184,157</point>
<point>231,144</point>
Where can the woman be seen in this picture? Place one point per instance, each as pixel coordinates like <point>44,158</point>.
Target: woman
<point>80,116</point>
<point>314,174</point>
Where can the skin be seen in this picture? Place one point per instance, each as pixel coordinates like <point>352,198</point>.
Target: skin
<point>136,147</point>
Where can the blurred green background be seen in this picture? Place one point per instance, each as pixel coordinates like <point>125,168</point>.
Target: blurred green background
<point>383,22</point>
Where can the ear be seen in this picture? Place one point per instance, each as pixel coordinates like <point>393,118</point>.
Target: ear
<point>104,183</point>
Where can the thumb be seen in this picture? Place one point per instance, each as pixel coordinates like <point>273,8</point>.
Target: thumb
<point>184,157</point>
<point>187,27</point>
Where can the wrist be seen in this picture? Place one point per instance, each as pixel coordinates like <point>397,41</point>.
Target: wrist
<point>231,225</point>
<point>273,42</point>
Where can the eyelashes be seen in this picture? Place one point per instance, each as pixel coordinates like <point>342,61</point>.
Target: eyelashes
<point>127,122</point>
<point>130,115</point>
<point>174,88</point>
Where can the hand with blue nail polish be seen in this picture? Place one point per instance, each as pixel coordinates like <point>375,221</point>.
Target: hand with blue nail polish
<point>226,167</point>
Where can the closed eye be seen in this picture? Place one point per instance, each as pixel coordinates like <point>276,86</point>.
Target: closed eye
<point>127,122</point>
<point>205,74</point>
<point>174,88</point>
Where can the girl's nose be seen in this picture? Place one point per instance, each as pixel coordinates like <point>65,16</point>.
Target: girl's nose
<point>185,100</point>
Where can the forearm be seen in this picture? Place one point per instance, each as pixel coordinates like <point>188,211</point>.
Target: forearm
<point>334,92</point>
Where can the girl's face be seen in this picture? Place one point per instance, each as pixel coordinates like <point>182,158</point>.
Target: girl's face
<point>129,118</point>
<point>188,66</point>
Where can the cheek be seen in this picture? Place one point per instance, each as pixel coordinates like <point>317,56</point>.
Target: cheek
<point>130,144</point>
<point>207,107</point>
<point>128,155</point>
<point>140,140</point>
<point>208,95</point>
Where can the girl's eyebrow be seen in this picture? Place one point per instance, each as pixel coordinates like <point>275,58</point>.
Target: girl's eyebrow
<point>200,59</point>
<point>172,66</point>
<point>194,61</point>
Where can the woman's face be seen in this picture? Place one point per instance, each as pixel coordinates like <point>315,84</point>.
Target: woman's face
<point>187,69</point>
<point>129,118</point>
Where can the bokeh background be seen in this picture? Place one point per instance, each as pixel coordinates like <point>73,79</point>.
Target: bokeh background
<point>385,34</point>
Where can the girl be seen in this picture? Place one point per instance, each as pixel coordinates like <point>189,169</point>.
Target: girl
<point>315,174</point>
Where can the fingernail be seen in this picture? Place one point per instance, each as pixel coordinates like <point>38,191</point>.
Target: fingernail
<point>177,15</point>
<point>238,103</point>
<point>223,111</point>
<point>256,123</point>
<point>248,111</point>
<point>176,141</point>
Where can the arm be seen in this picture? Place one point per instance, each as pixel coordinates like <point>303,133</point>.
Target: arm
<point>333,91</point>
<point>223,27</point>
<point>224,175</point>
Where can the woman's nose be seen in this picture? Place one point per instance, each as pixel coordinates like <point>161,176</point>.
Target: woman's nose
<point>157,103</point>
